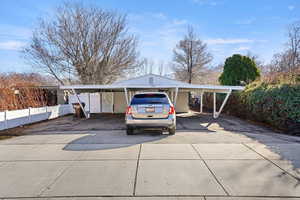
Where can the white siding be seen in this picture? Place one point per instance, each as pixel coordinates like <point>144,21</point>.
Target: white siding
<point>116,102</point>
<point>182,102</point>
<point>84,97</point>
<point>100,102</point>
<point>107,102</point>
<point>95,100</point>
<point>120,104</point>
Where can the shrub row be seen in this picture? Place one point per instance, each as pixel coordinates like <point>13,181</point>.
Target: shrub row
<point>277,105</point>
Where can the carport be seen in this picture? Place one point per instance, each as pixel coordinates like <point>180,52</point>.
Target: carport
<point>116,97</point>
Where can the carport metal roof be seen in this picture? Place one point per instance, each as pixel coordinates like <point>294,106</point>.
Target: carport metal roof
<point>152,81</point>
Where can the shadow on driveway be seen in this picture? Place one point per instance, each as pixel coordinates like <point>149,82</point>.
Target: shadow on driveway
<point>116,139</point>
<point>106,131</point>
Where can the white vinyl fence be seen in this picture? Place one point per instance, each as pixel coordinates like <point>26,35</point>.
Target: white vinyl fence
<point>15,118</point>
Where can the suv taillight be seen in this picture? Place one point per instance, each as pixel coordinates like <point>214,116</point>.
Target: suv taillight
<point>128,110</point>
<point>172,110</point>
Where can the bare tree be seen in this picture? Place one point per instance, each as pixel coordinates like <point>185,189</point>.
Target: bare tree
<point>210,75</point>
<point>294,44</point>
<point>259,63</point>
<point>190,57</point>
<point>161,68</point>
<point>85,42</point>
<point>281,62</point>
<point>264,68</point>
<point>288,60</point>
<point>145,66</point>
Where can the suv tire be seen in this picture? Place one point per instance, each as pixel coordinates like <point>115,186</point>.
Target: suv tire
<point>172,131</point>
<point>129,131</point>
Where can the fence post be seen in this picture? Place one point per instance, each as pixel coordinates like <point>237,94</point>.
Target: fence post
<point>58,111</point>
<point>5,119</point>
<point>29,115</point>
<point>215,106</point>
<point>46,108</point>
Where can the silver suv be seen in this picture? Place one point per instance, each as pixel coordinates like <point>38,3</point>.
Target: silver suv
<point>151,110</point>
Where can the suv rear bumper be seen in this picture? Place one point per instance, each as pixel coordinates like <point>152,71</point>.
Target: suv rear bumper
<point>151,123</point>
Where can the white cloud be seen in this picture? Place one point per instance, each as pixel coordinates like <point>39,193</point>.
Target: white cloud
<point>242,48</point>
<point>246,21</point>
<point>216,41</point>
<point>291,7</point>
<point>179,22</point>
<point>10,32</point>
<point>206,2</point>
<point>158,35</point>
<point>170,33</point>
<point>149,43</point>
<point>160,15</point>
<point>11,45</point>
<point>138,17</point>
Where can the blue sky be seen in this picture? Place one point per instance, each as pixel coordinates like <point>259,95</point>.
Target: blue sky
<point>227,26</point>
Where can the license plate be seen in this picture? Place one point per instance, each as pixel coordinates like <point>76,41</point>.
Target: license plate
<point>150,109</point>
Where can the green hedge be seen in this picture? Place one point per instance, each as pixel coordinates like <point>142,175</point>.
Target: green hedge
<point>275,104</point>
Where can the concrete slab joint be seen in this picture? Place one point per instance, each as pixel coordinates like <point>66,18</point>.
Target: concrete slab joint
<point>94,159</point>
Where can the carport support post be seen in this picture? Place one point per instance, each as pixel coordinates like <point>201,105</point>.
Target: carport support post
<point>89,103</point>
<point>201,102</point>
<point>217,113</point>
<point>175,98</point>
<point>126,96</point>
<point>129,95</point>
<point>224,102</point>
<point>113,102</point>
<point>214,112</point>
<point>5,119</point>
<point>29,114</point>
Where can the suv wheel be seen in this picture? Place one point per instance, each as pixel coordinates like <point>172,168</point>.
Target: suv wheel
<point>129,131</point>
<point>172,131</point>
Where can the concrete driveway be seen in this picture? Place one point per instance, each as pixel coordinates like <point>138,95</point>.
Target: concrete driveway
<point>94,159</point>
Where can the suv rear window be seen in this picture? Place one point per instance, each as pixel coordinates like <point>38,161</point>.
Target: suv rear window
<point>149,99</point>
